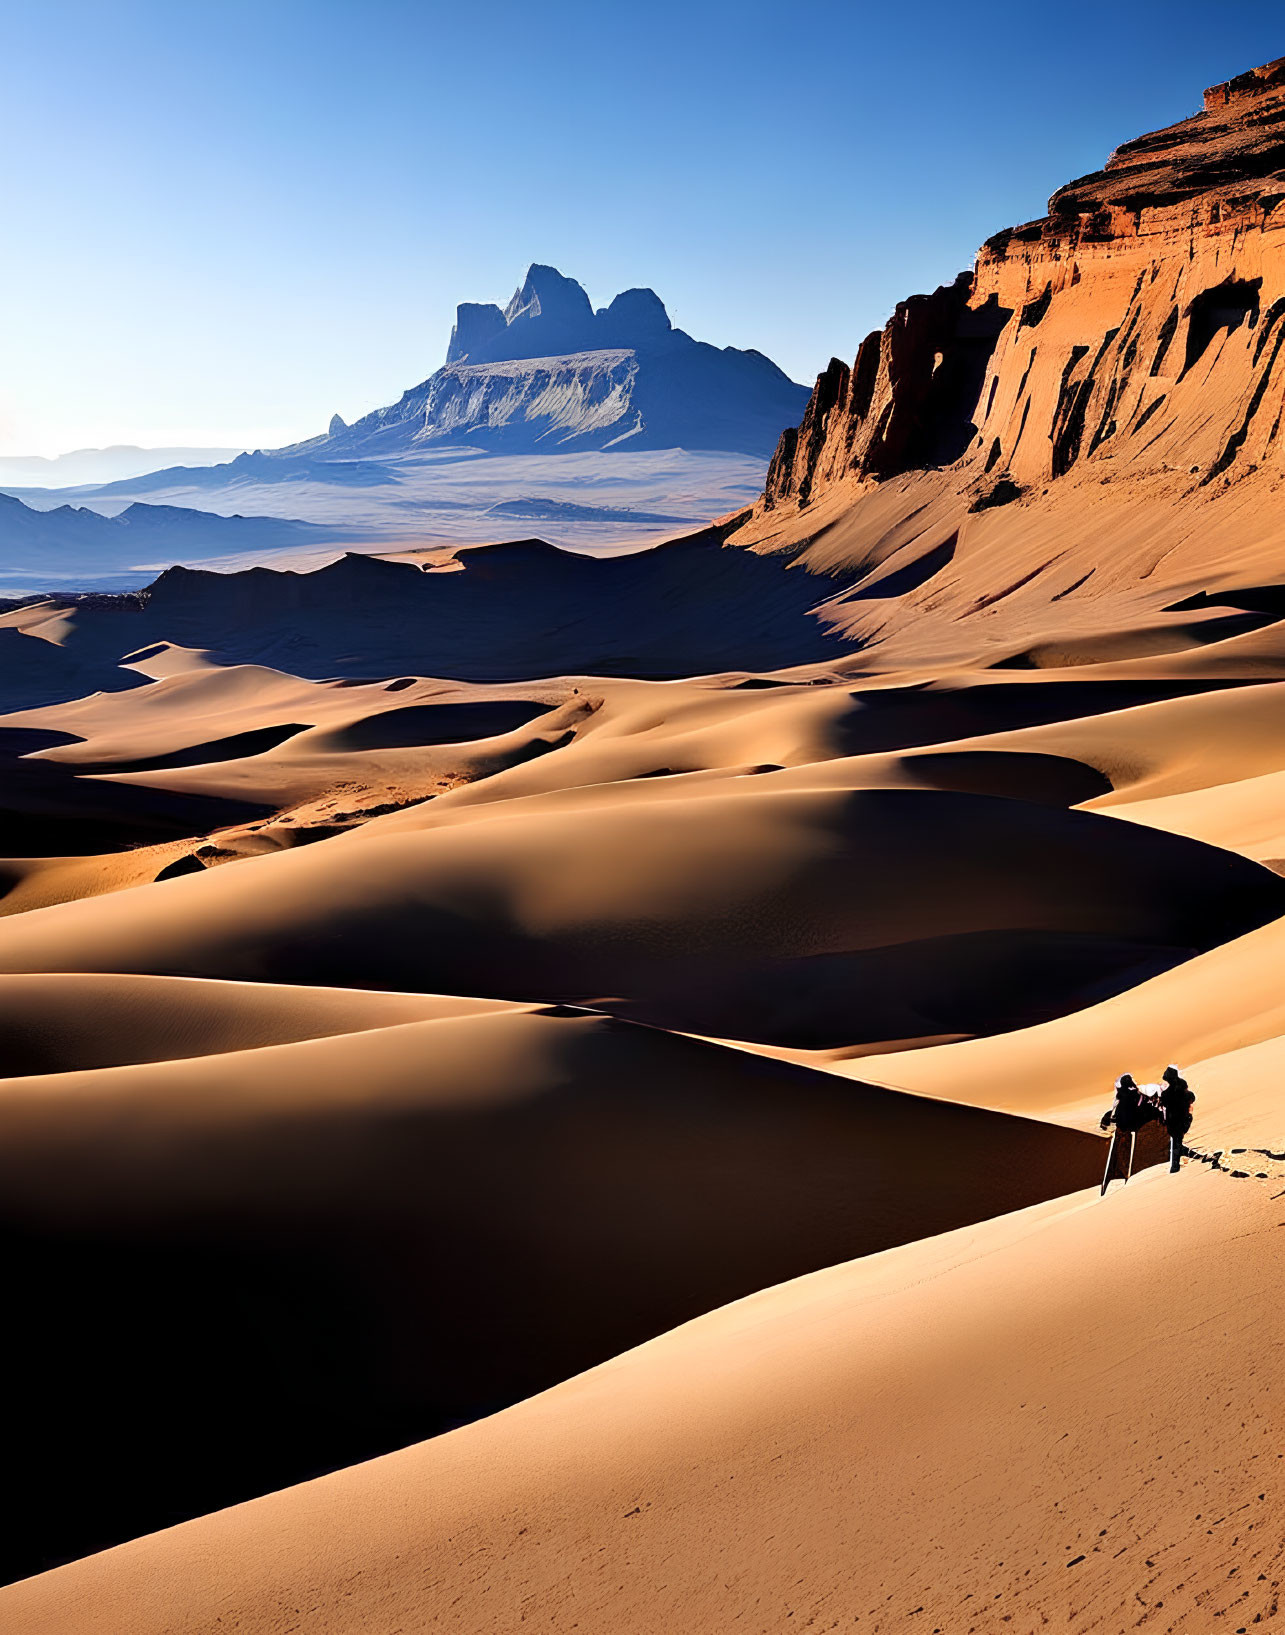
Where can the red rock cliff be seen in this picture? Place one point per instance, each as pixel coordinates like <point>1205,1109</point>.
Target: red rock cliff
<point>1139,324</point>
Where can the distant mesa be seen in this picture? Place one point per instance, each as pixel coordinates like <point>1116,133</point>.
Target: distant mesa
<point>476,327</point>
<point>544,375</point>
<point>548,374</point>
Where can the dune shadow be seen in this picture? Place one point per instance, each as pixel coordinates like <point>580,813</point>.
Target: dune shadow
<point>1049,780</point>
<point>48,810</point>
<point>884,719</point>
<point>264,1301</point>
<point>235,747</point>
<point>429,724</point>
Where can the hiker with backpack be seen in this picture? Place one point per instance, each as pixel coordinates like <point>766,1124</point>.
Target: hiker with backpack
<point>1173,1100</point>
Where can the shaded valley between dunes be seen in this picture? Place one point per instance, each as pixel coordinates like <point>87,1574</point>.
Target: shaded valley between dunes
<point>441,1216</point>
<point>539,1089</point>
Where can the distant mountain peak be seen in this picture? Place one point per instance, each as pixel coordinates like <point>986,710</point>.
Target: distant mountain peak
<point>546,293</point>
<point>639,310</point>
<point>550,315</point>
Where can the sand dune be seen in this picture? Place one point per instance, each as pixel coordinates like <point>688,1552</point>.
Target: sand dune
<point>179,715</point>
<point>1246,815</point>
<point>748,917</point>
<point>251,734</point>
<point>942,1435</point>
<point>64,1024</point>
<point>288,1257</point>
<point>1159,747</point>
<point>1214,1005</point>
<point>46,810</point>
<point>407,1210</point>
<point>34,672</point>
<point>225,750</point>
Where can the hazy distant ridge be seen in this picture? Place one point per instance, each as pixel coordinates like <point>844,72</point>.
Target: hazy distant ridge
<point>100,465</point>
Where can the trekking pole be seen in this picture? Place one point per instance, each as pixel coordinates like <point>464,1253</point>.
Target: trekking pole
<point>1133,1147</point>
<point>1106,1173</point>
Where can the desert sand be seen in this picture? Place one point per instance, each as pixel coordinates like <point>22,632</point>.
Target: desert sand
<point>440,1215</point>
<point>562,1092</point>
<point>941,1435</point>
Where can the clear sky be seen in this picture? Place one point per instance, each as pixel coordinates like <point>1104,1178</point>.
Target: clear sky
<point>223,221</point>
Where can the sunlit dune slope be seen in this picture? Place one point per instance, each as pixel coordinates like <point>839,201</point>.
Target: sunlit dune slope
<point>1071,1414</point>
<point>63,1023</point>
<point>1247,816</point>
<point>1213,1006</point>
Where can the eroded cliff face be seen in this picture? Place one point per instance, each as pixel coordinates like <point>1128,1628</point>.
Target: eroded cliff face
<point>1149,301</point>
<point>532,400</point>
<point>1129,340</point>
<point>906,402</point>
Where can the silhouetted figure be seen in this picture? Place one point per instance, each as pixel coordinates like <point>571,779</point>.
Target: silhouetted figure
<point>1131,1109</point>
<point>1175,1099</point>
<point>1128,1112</point>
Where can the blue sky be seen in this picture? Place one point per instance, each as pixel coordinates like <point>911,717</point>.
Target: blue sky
<point>225,221</point>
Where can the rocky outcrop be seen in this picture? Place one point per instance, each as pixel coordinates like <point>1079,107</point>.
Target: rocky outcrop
<point>1137,325</point>
<point>1057,458</point>
<point>906,402</point>
<point>476,327</point>
<point>550,316</point>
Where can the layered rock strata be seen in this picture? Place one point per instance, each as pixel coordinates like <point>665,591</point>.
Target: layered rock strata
<point>1129,339</point>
